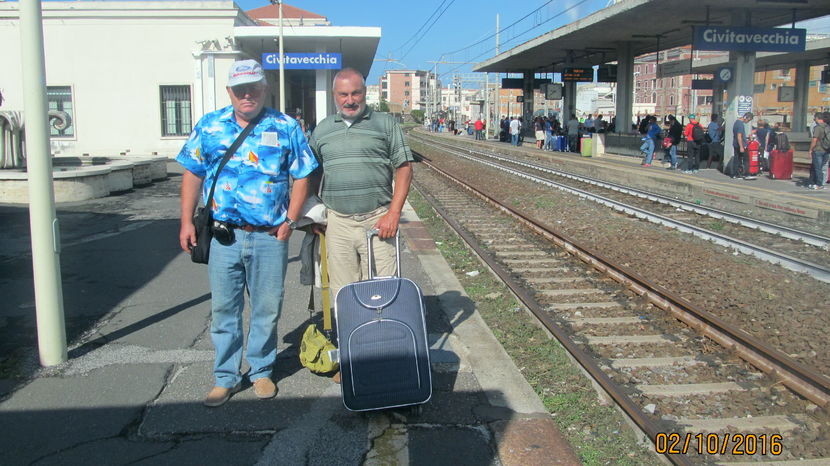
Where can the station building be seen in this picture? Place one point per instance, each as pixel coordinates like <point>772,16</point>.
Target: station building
<point>135,76</point>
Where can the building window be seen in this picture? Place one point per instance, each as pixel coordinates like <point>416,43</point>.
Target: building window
<point>653,83</point>
<point>406,84</point>
<point>671,100</point>
<point>653,97</point>
<point>60,98</point>
<point>406,93</point>
<point>175,111</point>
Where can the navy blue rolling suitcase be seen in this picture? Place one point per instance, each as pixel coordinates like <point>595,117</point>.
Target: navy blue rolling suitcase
<point>381,331</point>
<point>561,144</point>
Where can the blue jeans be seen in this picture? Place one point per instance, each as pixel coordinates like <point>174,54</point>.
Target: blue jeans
<point>514,139</point>
<point>817,174</point>
<point>672,153</point>
<point>256,261</point>
<point>548,141</point>
<point>648,149</point>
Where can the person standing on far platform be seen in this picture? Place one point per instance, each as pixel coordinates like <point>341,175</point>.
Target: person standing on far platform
<point>573,133</point>
<point>515,130</point>
<point>360,151</point>
<point>650,140</point>
<point>820,150</point>
<point>675,133</point>
<point>253,216</point>
<point>739,143</point>
<point>479,127</point>
<point>695,138</point>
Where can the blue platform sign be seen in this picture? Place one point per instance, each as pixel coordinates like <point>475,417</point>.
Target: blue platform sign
<point>747,39</point>
<point>303,61</point>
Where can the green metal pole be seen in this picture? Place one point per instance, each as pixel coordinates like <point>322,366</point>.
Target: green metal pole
<point>51,331</point>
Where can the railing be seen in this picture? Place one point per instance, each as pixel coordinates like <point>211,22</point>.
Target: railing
<point>12,136</point>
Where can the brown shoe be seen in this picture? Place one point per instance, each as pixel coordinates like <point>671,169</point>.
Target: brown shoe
<point>264,388</point>
<point>219,395</point>
<point>336,378</point>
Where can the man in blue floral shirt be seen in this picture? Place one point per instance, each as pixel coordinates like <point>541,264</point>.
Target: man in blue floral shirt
<point>252,211</point>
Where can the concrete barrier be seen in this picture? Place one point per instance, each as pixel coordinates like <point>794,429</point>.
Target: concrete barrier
<point>81,178</point>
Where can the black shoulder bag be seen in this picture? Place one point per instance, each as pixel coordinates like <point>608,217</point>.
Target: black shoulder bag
<point>203,219</point>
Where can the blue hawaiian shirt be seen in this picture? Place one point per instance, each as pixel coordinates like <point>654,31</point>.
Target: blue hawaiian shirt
<point>253,186</point>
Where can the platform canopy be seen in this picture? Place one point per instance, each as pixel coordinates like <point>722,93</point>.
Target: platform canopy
<point>817,53</point>
<point>649,25</point>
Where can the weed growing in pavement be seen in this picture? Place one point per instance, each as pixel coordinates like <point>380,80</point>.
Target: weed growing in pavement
<point>717,226</point>
<point>598,433</point>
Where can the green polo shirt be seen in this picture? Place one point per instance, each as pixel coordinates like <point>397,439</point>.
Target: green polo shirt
<point>359,160</point>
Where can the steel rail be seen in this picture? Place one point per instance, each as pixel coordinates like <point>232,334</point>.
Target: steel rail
<point>630,409</point>
<point>801,379</point>
<point>767,227</point>
<point>817,271</point>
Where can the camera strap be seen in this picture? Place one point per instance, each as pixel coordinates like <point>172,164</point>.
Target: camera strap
<point>232,150</point>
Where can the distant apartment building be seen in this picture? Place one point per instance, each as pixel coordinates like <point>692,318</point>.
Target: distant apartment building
<point>770,86</point>
<point>664,93</point>
<point>459,102</point>
<point>373,95</point>
<point>407,90</point>
<point>509,103</point>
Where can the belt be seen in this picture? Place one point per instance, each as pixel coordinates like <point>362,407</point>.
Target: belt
<point>249,228</point>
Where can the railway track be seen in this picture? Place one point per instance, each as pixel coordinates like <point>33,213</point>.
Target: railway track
<point>794,249</point>
<point>673,368</point>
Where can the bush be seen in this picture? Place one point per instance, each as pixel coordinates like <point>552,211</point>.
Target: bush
<point>418,116</point>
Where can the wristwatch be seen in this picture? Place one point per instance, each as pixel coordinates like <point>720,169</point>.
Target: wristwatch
<point>291,223</point>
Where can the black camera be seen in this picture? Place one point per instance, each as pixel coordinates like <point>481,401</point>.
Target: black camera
<point>223,233</point>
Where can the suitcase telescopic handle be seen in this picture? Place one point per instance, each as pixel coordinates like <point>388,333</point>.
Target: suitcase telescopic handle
<point>374,232</point>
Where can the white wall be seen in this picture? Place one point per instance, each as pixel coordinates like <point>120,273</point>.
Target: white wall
<point>115,57</point>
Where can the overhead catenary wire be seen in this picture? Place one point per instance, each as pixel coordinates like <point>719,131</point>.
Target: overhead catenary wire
<point>428,29</point>
<point>415,34</point>
<point>516,36</point>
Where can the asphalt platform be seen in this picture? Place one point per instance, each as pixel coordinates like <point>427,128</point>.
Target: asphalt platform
<point>140,359</point>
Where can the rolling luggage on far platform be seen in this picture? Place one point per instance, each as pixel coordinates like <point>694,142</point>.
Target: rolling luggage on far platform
<point>781,164</point>
<point>560,143</point>
<point>381,331</point>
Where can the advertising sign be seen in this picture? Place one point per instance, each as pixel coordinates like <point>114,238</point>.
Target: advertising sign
<point>703,84</point>
<point>518,83</point>
<point>583,75</point>
<point>748,39</point>
<point>674,68</point>
<point>607,74</point>
<point>303,61</point>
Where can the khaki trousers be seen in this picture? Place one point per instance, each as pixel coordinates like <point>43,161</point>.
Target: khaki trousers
<point>347,252</point>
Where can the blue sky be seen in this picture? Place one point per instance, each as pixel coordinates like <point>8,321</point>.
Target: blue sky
<point>462,23</point>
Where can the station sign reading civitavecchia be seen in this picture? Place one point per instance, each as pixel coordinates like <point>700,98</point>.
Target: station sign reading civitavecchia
<point>303,61</point>
<point>747,39</point>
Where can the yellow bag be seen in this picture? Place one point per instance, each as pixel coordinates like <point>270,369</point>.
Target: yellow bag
<point>314,351</point>
<point>315,348</point>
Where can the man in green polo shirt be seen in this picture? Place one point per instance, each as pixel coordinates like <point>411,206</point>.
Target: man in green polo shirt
<point>359,151</point>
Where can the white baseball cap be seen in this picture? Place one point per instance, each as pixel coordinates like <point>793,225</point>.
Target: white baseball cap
<point>245,72</point>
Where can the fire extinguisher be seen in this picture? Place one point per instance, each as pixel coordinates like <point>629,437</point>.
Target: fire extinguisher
<point>752,149</point>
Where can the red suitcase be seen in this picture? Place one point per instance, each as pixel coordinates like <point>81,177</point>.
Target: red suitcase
<point>781,164</point>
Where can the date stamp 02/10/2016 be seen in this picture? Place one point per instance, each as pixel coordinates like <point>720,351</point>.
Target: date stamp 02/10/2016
<point>672,443</point>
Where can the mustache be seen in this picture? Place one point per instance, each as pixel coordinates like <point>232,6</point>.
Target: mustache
<point>351,106</point>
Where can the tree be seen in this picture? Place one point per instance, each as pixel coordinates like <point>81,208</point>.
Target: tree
<point>383,106</point>
<point>417,115</point>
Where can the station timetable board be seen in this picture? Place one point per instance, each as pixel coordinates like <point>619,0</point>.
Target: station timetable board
<point>582,75</point>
